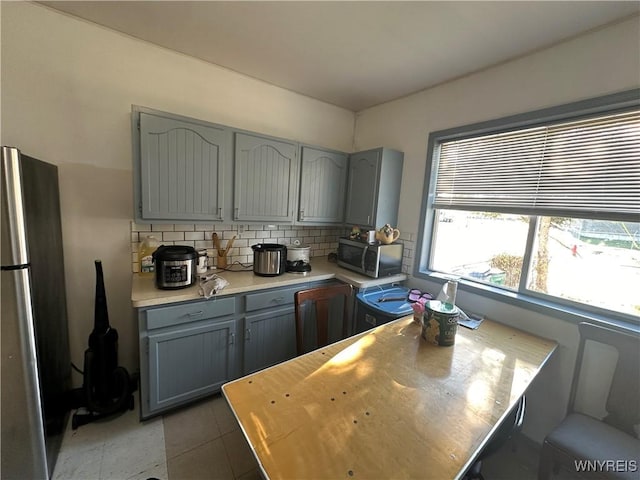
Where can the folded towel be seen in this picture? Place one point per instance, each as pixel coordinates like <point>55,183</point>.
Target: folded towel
<point>211,285</point>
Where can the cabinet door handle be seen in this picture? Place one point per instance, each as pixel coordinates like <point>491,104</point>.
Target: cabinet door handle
<point>196,314</point>
<point>248,335</point>
<point>301,214</point>
<point>278,300</point>
<point>368,219</point>
<point>232,338</point>
<point>220,213</point>
<point>236,213</point>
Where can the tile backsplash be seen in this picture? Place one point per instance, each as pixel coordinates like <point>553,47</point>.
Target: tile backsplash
<point>322,240</point>
<point>408,252</point>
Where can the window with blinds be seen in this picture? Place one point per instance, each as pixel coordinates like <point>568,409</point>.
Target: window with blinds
<point>540,209</point>
<point>587,168</point>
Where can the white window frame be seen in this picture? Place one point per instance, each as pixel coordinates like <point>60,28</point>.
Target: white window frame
<point>543,303</point>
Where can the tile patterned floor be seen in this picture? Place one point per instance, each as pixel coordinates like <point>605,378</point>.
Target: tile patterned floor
<point>118,448</point>
<point>203,441</point>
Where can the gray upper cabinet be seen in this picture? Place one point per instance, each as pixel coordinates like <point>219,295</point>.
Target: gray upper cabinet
<point>180,170</point>
<point>373,193</point>
<point>182,173</point>
<point>323,185</point>
<point>265,179</point>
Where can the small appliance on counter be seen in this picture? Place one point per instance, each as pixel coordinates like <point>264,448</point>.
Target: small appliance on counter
<point>298,258</point>
<point>175,266</point>
<point>374,260</point>
<point>269,259</point>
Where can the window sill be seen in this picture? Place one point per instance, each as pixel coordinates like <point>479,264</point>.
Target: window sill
<point>539,305</point>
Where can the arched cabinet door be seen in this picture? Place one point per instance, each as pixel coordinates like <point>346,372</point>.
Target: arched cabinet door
<point>323,185</point>
<point>181,169</point>
<point>265,184</point>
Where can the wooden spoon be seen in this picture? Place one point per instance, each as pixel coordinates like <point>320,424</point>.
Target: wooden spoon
<point>230,244</point>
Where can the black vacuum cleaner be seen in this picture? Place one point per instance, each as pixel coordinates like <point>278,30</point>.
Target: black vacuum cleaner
<point>107,388</point>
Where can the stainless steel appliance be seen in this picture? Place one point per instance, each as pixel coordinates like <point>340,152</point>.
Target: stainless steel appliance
<point>175,266</point>
<point>374,260</point>
<point>36,366</point>
<point>269,259</point>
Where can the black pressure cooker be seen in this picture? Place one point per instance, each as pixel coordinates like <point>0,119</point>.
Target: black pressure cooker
<point>175,266</point>
<point>269,259</point>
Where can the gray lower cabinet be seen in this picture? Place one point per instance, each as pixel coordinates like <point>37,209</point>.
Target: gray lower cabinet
<point>265,179</point>
<point>179,166</point>
<point>323,185</point>
<point>187,351</point>
<point>189,363</point>
<point>269,338</point>
<point>270,327</point>
<point>373,193</point>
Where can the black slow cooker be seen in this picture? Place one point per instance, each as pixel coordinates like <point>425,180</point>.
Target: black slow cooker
<point>175,266</point>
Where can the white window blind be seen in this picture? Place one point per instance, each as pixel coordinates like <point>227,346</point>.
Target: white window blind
<point>588,168</point>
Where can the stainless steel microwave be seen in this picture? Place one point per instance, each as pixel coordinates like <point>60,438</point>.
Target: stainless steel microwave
<point>371,259</point>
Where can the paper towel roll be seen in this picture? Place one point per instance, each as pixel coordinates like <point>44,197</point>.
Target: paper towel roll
<point>448,292</point>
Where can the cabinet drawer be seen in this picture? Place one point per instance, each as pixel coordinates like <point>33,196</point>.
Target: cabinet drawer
<point>189,312</point>
<point>275,298</point>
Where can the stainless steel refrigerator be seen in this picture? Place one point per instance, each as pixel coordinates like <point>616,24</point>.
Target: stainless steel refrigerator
<point>35,362</point>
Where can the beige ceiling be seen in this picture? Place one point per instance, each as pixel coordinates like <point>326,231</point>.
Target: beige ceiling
<point>353,54</point>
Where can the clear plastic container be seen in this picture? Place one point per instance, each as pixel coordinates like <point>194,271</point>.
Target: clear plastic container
<point>145,255</point>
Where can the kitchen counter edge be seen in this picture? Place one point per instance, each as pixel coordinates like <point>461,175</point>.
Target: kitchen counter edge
<point>145,294</point>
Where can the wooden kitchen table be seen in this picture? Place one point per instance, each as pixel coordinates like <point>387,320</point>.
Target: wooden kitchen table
<point>385,404</point>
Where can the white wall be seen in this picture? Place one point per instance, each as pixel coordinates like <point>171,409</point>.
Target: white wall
<point>598,63</point>
<point>67,91</point>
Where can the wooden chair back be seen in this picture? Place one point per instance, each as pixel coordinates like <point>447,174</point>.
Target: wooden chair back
<point>320,297</point>
<point>623,401</point>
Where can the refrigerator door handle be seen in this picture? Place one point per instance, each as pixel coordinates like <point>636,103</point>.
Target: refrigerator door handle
<point>13,208</point>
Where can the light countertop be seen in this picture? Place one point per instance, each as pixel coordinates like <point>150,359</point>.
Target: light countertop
<point>145,294</point>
